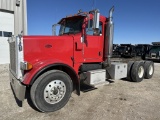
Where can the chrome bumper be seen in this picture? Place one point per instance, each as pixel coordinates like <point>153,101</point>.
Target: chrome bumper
<point>18,89</point>
<point>150,58</point>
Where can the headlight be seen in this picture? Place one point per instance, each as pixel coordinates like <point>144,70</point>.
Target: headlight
<point>147,56</point>
<point>26,66</point>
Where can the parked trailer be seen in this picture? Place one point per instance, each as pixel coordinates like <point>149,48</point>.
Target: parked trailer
<point>127,50</point>
<point>154,52</point>
<point>142,50</point>
<point>52,66</point>
<point>115,50</point>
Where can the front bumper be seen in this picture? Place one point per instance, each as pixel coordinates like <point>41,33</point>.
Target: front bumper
<point>18,89</point>
<point>154,59</point>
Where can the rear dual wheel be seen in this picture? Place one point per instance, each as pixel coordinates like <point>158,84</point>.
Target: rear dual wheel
<point>139,70</point>
<point>130,63</point>
<point>149,69</point>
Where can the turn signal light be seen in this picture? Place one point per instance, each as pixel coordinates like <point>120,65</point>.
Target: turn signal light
<point>26,66</point>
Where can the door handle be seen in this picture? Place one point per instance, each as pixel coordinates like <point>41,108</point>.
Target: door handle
<point>79,46</point>
<point>100,53</point>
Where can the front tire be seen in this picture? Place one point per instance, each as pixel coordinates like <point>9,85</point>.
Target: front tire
<point>51,91</point>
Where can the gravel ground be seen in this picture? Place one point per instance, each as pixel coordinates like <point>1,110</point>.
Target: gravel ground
<point>120,100</point>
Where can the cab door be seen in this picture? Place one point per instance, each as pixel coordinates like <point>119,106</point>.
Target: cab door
<point>93,47</point>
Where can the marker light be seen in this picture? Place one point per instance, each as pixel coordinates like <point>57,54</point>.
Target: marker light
<point>26,66</point>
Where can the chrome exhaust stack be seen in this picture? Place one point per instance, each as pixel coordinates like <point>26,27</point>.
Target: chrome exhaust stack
<point>108,46</point>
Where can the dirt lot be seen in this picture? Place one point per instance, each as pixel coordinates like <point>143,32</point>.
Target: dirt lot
<point>120,100</point>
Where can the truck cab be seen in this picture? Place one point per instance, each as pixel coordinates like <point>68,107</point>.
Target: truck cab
<point>142,50</point>
<point>154,52</point>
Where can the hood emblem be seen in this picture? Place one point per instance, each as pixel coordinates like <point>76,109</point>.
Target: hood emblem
<point>48,46</point>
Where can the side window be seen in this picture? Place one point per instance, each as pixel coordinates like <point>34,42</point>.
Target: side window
<point>0,33</point>
<point>96,32</point>
<point>100,28</point>
<point>7,34</point>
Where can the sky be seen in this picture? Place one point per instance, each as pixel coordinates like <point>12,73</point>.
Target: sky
<point>136,21</point>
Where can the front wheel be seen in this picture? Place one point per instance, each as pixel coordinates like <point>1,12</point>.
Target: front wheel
<point>51,91</point>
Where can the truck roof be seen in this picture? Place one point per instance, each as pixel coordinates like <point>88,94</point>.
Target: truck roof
<point>125,44</point>
<point>142,44</point>
<point>80,15</point>
<point>156,43</point>
<point>71,17</point>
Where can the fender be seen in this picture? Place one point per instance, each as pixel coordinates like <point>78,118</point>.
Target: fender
<point>42,66</point>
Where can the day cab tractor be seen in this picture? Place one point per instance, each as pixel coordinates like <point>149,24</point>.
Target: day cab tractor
<point>52,67</point>
<point>154,53</point>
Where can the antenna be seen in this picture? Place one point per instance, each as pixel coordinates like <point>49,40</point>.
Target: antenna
<point>56,15</point>
<point>93,5</point>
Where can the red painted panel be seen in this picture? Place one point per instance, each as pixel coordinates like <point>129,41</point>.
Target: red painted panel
<point>92,47</point>
<point>78,53</point>
<point>38,48</point>
<point>41,51</point>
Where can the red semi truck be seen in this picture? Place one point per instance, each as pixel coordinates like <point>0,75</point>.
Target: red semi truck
<point>53,66</point>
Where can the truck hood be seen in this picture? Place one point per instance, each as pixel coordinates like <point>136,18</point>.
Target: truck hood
<point>40,48</point>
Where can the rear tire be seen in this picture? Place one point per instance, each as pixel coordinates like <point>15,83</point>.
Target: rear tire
<point>129,67</point>
<point>51,91</point>
<point>137,71</point>
<point>149,69</point>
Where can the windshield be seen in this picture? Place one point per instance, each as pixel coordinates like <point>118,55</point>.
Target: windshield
<point>139,48</point>
<point>71,25</point>
<point>122,48</point>
<point>155,49</point>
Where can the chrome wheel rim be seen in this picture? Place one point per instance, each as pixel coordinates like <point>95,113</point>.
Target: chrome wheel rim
<point>140,71</point>
<point>150,69</point>
<point>54,91</point>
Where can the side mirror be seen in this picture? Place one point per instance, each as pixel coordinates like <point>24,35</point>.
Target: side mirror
<point>96,18</point>
<point>55,29</point>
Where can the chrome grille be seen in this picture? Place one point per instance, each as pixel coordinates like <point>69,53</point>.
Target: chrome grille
<point>153,55</point>
<point>16,56</point>
<point>13,57</point>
